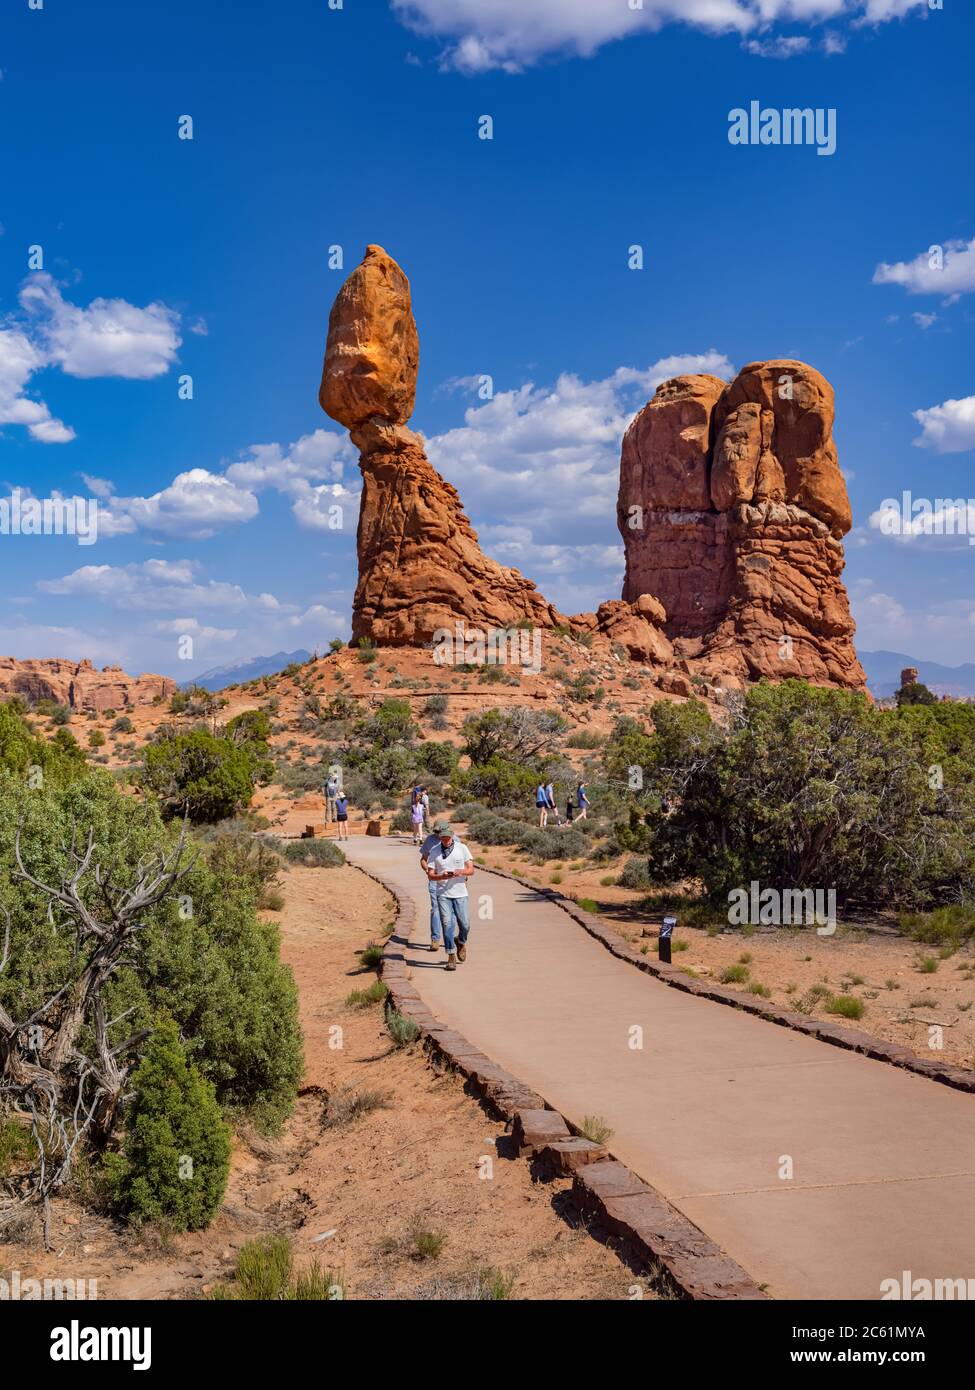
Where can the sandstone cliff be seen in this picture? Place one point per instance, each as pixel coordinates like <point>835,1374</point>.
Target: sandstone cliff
<point>79,684</point>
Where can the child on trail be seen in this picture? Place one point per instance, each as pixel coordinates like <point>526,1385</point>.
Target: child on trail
<point>417,817</point>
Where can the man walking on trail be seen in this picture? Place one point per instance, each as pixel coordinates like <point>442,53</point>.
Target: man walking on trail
<point>431,843</point>
<point>450,866</point>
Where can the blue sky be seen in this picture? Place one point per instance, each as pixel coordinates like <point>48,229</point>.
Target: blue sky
<point>316,127</point>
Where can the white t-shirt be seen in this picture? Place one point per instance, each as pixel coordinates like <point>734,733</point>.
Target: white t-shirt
<point>444,861</point>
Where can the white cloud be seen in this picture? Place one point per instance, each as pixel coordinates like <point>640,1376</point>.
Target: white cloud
<point>199,502</point>
<point>924,320</point>
<point>538,470</point>
<point>195,505</point>
<point>923,276</point>
<point>781,46</point>
<point>513,34</point>
<point>109,338</point>
<point>948,428</point>
<point>157,586</point>
<point>19,359</point>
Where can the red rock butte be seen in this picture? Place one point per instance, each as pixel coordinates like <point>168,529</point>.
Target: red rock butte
<point>731,506</point>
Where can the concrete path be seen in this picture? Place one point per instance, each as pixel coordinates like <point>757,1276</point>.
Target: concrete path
<point>716,1102</point>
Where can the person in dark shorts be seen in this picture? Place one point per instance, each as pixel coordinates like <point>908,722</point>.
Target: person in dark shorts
<point>342,815</point>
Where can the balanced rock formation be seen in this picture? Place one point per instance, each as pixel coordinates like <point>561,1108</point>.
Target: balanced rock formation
<point>732,507</point>
<point>79,684</point>
<point>421,569</point>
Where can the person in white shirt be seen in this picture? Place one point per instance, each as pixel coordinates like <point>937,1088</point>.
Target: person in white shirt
<point>449,867</point>
<point>431,843</point>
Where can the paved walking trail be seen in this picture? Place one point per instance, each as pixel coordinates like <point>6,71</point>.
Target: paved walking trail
<point>884,1161</point>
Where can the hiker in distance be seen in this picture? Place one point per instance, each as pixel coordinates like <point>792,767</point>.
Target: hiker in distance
<point>583,802</point>
<point>450,866</point>
<point>331,791</point>
<point>431,843</point>
<point>419,812</point>
<point>541,805</point>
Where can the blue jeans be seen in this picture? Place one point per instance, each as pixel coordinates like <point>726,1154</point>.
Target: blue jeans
<point>434,912</point>
<point>454,915</point>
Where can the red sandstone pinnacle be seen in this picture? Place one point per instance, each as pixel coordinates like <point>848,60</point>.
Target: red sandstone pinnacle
<point>421,569</point>
<point>731,507</point>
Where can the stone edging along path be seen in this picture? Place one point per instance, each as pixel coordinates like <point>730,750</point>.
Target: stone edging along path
<point>853,1039</point>
<point>685,1260</point>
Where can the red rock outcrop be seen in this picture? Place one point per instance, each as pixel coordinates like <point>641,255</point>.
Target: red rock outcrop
<point>731,507</point>
<point>79,684</point>
<point>421,568</point>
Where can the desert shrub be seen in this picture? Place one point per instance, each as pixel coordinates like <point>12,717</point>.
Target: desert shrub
<point>950,925</point>
<point>435,705</point>
<point>402,822</point>
<point>402,1030</point>
<point>845,1005</point>
<point>60,760</point>
<point>594,1127</point>
<point>489,829</point>
<point>438,759</point>
<point>204,956</point>
<point>582,738</point>
<point>803,787</point>
<point>122,725</point>
<point>518,734</point>
<point>498,782</point>
<point>554,843</point>
<point>365,652</point>
<point>237,855</point>
<point>346,1105</point>
<point>96,739</point>
<point>175,1158</point>
<point>362,998</point>
<point>299,777</point>
<point>634,874</point>
<point>61,715</point>
<point>201,776</point>
<point>314,854</point>
<point>264,1272</point>
<point>734,975</point>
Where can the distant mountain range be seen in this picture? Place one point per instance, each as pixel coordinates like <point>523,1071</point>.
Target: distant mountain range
<point>247,670</point>
<point>884,674</point>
